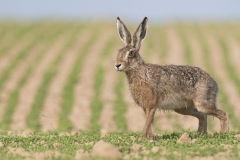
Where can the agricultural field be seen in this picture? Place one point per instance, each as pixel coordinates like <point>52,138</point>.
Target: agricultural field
<point>60,95</point>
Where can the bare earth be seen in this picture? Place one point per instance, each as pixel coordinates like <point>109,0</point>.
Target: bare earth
<point>11,54</point>
<point>196,50</point>
<point>52,103</point>
<point>30,88</point>
<point>4,63</point>
<point>234,49</point>
<point>15,76</point>
<point>108,96</point>
<point>84,88</point>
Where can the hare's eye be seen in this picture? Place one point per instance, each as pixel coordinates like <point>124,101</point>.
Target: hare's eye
<point>131,54</point>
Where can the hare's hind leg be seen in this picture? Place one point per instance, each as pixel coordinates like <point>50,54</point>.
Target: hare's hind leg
<point>211,109</point>
<point>202,126</point>
<point>224,120</point>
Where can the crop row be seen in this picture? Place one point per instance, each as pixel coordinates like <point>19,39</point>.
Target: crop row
<point>98,48</point>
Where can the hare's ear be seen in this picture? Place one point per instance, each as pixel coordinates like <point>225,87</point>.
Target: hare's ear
<point>140,34</point>
<point>123,32</point>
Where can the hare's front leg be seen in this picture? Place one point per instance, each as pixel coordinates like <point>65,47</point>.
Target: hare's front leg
<point>148,127</point>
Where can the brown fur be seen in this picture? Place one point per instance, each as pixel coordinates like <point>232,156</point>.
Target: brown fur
<point>186,90</point>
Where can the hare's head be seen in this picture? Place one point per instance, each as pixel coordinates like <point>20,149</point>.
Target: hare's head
<point>128,57</point>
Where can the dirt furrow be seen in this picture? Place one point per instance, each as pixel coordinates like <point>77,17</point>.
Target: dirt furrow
<point>84,88</point>
<point>234,51</point>
<point>52,103</point>
<point>13,79</point>
<point>196,50</point>
<point>14,50</point>
<point>217,64</point>
<point>175,48</point>
<point>17,47</point>
<point>107,123</point>
<point>29,90</point>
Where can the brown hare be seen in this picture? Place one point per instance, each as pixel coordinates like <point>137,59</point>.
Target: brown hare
<point>184,89</point>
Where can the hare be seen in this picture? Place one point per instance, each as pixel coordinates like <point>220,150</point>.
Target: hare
<point>184,89</point>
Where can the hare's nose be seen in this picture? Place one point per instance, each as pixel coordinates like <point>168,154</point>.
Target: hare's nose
<point>118,65</point>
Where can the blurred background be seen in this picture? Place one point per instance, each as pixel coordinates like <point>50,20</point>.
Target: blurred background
<point>157,11</point>
<point>56,61</point>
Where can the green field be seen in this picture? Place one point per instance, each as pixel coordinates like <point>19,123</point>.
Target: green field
<point>60,93</point>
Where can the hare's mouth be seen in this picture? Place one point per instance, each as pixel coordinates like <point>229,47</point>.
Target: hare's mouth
<point>118,69</point>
